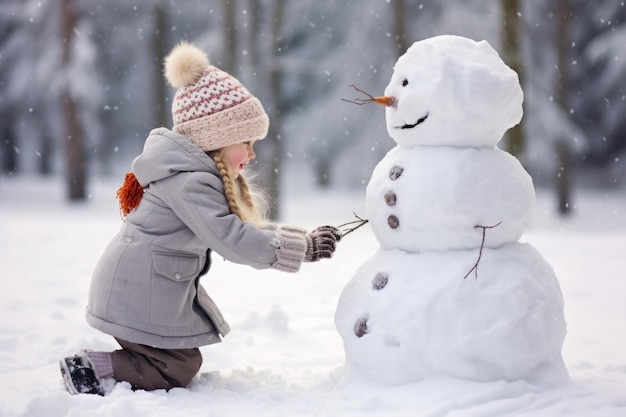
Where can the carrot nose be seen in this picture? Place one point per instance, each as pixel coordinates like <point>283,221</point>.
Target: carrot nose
<point>387,101</point>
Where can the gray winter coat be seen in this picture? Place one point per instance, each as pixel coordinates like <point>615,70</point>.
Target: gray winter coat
<point>145,288</point>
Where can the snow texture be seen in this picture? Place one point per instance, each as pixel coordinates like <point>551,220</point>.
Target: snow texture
<point>451,292</point>
<point>462,91</point>
<point>506,322</point>
<point>443,192</point>
<point>284,356</point>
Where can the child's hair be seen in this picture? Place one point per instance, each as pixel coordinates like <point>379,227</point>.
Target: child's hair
<point>245,200</point>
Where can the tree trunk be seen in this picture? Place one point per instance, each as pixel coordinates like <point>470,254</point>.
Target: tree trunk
<point>161,110</point>
<point>563,176</point>
<point>230,40</point>
<point>9,153</point>
<point>9,149</point>
<point>512,54</point>
<point>399,11</point>
<point>254,25</point>
<point>44,153</point>
<point>323,170</point>
<point>275,126</point>
<point>563,152</point>
<point>75,155</point>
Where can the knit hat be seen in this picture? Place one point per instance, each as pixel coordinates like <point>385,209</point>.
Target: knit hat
<point>211,108</point>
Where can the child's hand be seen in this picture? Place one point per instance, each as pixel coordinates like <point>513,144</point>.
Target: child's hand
<point>321,243</point>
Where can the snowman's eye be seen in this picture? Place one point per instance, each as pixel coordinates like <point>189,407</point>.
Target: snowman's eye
<point>405,82</point>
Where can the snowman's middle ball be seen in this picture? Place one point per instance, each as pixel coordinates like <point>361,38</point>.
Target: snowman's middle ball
<point>443,198</point>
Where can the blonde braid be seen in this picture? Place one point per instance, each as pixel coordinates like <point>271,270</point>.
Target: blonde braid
<point>229,186</point>
<point>248,204</point>
<point>245,191</point>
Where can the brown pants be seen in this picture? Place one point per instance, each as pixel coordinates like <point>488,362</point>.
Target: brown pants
<point>150,368</point>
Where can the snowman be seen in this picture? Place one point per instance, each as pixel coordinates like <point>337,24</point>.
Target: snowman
<point>451,291</point>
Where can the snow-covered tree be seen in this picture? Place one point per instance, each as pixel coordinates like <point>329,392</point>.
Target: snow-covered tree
<point>599,71</point>
<point>53,76</point>
<point>320,49</point>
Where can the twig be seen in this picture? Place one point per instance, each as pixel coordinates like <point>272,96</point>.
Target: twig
<point>480,252</point>
<point>383,100</point>
<point>360,222</point>
<point>360,101</point>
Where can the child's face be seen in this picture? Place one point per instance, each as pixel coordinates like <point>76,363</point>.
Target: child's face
<point>238,155</point>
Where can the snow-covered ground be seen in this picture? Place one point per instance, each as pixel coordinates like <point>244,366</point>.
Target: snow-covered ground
<point>284,356</point>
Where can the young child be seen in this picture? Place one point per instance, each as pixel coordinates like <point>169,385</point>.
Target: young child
<point>185,198</point>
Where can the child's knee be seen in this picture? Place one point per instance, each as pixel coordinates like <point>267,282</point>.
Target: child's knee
<point>187,370</point>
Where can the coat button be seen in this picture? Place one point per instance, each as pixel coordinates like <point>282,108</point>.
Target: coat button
<point>177,275</point>
<point>395,172</point>
<point>390,198</point>
<point>393,222</point>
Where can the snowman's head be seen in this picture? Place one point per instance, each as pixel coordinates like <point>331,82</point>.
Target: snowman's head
<point>452,91</point>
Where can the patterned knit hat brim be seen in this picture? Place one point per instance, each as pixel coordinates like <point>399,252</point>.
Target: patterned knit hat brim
<point>244,122</point>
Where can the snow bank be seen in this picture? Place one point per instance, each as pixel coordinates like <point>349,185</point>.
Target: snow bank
<point>284,356</point>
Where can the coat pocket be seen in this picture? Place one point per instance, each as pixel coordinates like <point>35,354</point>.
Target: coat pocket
<point>177,266</point>
<point>172,292</point>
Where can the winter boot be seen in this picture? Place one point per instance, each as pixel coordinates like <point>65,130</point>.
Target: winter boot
<point>79,375</point>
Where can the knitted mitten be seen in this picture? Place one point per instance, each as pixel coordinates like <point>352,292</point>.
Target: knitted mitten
<point>321,243</point>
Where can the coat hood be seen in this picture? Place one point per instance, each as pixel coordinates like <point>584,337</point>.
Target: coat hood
<point>167,153</point>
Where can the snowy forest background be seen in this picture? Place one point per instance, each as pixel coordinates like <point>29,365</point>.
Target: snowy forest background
<point>81,82</point>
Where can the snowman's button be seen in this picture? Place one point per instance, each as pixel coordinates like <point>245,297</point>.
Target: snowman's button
<point>393,222</point>
<point>395,172</point>
<point>380,281</point>
<point>390,198</point>
<point>360,327</point>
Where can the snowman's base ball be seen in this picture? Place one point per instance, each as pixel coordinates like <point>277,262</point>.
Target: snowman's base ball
<point>426,319</point>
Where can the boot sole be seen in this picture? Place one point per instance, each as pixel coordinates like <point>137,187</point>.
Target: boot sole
<point>67,378</point>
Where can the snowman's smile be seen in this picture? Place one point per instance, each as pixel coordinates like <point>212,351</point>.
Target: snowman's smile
<point>411,126</point>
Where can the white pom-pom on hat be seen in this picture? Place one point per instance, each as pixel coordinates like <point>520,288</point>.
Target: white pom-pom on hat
<point>185,65</point>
